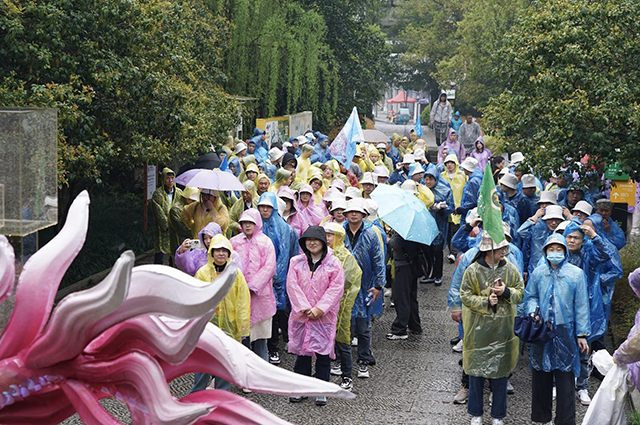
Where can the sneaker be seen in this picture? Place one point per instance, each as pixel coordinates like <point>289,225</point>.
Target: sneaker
<point>462,396</point>
<point>458,347</point>
<point>363,371</point>
<point>297,399</point>
<point>387,292</point>
<point>394,337</point>
<point>354,341</point>
<point>415,331</point>
<point>553,393</point>
<point>438,282</point>
<point>510,389</point>
<point>497,422</point>
<point>451,258</point>
<point>346,384</point>
<point>392,304</point>
<point>455,340</point>
<point>321,400</point>
<point>274,357</point>
<point>336,370</point>
<point>476,420</point>
<point>246,391</point>
<point>427,280</point>
<point>583,395</point>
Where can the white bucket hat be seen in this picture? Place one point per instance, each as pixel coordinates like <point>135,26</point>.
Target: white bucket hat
<point>553,211</point>
<point>487,244</point>
<point>381,171</point>
<point>352,192</point>
<point>583,207</point>
<point>470,164</point>
<point>240,147</point>
<point>368,178</point>
<point>509,180</point>
<point>419,154</point>
<point>338,203</point>
<point>371,207</point>
<point>381,146</point>
<point>562,226</point>
<point>275,154</point>
<point>408,159</point>
<point>528,180</point>
<point>548,198</point>
<point>355,205</point>
<point>302,140</point>
<point>409,185</point>
<point>517,157</point>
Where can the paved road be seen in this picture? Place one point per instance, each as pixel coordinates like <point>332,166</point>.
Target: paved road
<point>413,382</point>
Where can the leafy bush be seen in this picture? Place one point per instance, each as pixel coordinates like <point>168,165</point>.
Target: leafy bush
<point>494,144</point>
<point>625,303</point>
<point>424,116</point>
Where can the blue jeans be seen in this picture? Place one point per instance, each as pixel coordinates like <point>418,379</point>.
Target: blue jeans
<point>201,380</point>
<point>363,333</point>
<point>582,383</point>
<point>343,352</point>
<point>499,401</point>
<point>259,346</point>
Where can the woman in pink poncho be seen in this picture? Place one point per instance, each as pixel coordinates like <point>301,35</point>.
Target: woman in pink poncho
<point>190,260</point>
<point>452,143</point>
<point>291,215</point>
<point>315,284</point>
<point>312,213</point>
<point>259,258</point>
<point>481,153</point>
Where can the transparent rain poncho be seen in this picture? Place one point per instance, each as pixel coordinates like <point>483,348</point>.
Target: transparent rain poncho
<point>533,237</point>
<point>563,299</point>
<point>490,346</point>
<point>615,235</point>
<point>233,313</point>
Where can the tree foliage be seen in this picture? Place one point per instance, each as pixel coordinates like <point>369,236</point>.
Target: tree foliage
<point>134,81</point>
<point>574,72</point>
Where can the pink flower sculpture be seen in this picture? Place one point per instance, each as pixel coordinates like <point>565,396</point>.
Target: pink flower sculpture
<point>140,328</point>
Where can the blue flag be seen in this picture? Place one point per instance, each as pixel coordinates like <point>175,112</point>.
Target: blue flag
<point>418,127</point>
<point>343,148</point>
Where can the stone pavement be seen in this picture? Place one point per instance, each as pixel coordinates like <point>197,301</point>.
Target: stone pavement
<point>413,382</point>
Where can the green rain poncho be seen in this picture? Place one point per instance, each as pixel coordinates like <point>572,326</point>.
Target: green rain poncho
<point>352,276</point>
<point>282,176</point>
<point>160,208</point>
<point>239,206</point>
<point>490,345</point>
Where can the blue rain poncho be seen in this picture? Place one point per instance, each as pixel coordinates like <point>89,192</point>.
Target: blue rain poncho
<point>442,193</point>
<point>368,253</point>
<point>471,192</point>
<point>563,299</point>
<point>285,241</point>
<point>321,154</point>
<point>520,203</point>
<point>262,149</point>
<point>533,237</point>
<point>615,235</point>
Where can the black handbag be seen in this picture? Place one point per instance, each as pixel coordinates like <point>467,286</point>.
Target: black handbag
<point>533,331</point>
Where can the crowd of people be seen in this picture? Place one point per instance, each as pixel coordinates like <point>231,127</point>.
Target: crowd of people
<point>315,260</point>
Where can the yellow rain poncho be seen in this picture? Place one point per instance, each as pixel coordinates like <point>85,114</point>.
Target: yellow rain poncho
<point>425,195</point>
<point>195,217</point>
<point>282,177</point>
<point>179,231</point>
<point>233,314</point>
<point>490,346</point>
<point>239,206</point>
<point>251,167</point>
<point>352,277</point>
<point>457,182</point>
<point>336,173</point>
<point>304,163</point>
<point>262,177</point>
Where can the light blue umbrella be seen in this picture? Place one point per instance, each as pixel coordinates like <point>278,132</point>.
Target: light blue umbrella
<point>405,213</point>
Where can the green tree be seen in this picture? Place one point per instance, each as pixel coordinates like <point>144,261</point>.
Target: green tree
<point>573,72</point>
<point>474,59</point>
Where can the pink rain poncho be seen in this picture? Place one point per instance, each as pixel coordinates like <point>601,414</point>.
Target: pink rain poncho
<point>313,214</point>
<point>259,258</point>
<point>322,289</point>
<point>629,351</point>
<point>452,146</point>
<point>296,220</point>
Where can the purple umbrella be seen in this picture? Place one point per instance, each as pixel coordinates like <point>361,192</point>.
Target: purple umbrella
<point>209,179</point>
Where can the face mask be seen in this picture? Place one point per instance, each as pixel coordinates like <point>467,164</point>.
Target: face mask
<point>555,258</point>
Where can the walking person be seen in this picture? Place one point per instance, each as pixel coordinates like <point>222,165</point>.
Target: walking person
<point>469,132</point>
<point>162,200</point>
<point>560,290</point>
<point>352,279</point>
<point>315,284</point>
<point>440,117</point>
<point>490,292</point>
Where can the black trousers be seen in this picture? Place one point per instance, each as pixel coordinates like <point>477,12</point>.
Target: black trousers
<point>323,366</point>
<point>405,298</point>
<point>158,258</point>
<point>453,228</point>
<point>435,258</point>
<point>542,397</point>
<point>280,321</point>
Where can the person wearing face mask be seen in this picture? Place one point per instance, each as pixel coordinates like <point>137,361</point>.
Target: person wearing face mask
<point>315,284</point>
<point>233,313</point>
<point>560,290</point>
<point>197,215</point>
<point>490,291</point>
<point>534,233</point>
